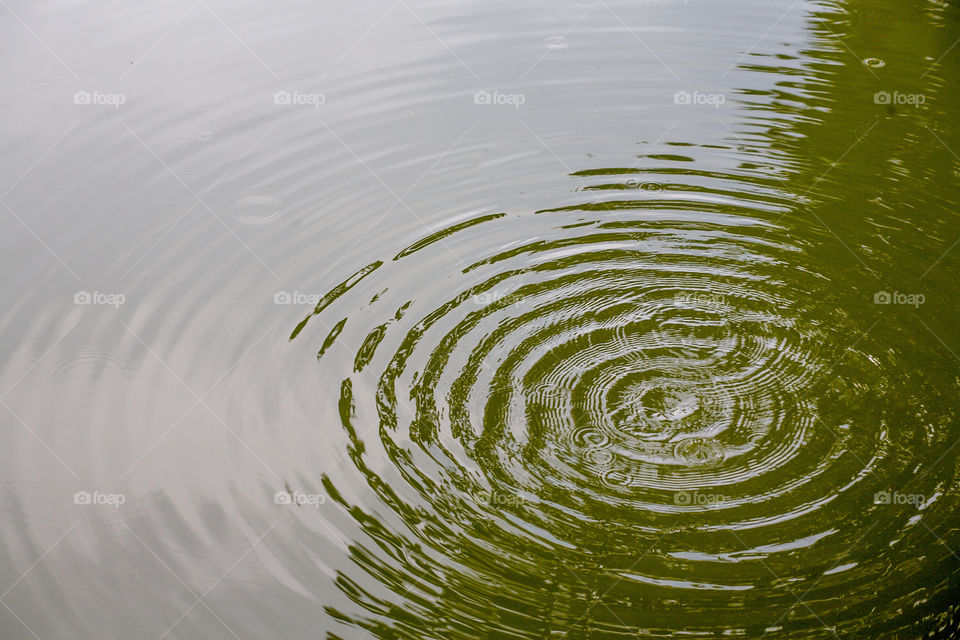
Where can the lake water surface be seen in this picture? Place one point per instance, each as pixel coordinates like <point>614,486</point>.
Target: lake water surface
<point>427,319</point>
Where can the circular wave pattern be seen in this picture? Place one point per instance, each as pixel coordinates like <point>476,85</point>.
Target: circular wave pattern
<point>636,407</point>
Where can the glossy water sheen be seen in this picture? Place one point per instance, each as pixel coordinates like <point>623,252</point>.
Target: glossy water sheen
<point>480,319</point>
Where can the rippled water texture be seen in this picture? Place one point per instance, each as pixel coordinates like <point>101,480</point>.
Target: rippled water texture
<point>480,320</point>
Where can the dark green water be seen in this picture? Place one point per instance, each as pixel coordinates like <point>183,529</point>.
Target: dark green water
<point>591,320</point>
